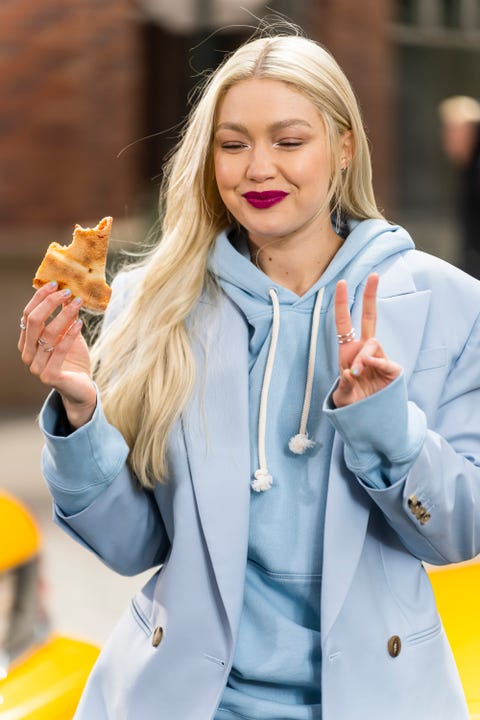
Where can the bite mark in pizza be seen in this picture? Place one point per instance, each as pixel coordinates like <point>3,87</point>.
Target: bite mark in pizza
<point>80,266</point>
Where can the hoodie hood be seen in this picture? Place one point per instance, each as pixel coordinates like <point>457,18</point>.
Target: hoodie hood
<point>286,352</point>
<point>368,243</point>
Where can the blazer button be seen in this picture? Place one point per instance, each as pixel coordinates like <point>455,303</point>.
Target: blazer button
<point>394,646</point>
<point>157,636</point>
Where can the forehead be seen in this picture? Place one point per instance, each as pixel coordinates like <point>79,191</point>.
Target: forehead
<point>267,101</point>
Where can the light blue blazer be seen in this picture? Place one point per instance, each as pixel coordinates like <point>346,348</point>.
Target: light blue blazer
<point>385,654</point>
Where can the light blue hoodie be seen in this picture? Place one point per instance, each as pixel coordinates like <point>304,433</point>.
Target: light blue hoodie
<point>277,665</point>
<point>276,672</point>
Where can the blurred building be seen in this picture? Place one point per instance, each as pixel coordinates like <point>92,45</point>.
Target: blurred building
<point>94,92</point>
<point>437,44</point>
<point>72,77</point>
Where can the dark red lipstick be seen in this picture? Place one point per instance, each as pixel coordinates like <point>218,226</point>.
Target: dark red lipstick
<point>262,200</point>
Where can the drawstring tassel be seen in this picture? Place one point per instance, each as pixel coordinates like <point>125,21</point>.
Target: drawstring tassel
<point>263,480</point>
<point>298,444</point>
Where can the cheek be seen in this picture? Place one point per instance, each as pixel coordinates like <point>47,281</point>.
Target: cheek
<point>317,177</point>
<point>224,184</point>
<point>308,171</point>
<point>223,173</point>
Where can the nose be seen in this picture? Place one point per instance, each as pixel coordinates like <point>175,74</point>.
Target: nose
<point>261,166</point>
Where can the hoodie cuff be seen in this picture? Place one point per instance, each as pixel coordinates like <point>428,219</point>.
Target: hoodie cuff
<point>383,433</point>
<point>78,465</point>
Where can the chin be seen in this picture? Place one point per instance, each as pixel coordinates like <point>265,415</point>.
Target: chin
<point>271,232</point>
<point>266,227</point>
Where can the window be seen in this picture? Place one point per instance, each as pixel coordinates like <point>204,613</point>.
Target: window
<point>439,16</point>
<point>407,12</point>
<point>451,13</point>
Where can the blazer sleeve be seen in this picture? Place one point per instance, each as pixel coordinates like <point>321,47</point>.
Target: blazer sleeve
<point>96,498</point>
<point>122,526</point>
<point>435,506</point>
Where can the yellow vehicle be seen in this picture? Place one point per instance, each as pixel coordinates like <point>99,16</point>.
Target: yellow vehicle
<point>41,675</point>
<point>457,591</point>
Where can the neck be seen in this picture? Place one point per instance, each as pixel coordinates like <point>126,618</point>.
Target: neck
<point>296,263</point>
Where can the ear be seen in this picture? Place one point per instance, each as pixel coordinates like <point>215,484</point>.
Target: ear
<point>346,149</point>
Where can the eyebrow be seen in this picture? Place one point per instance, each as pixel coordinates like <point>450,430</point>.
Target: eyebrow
<point>279,125</point>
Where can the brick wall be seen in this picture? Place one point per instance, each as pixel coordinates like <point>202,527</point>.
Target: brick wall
<point>357,33</point>
<point>70,73</point>
<point>71,78</point>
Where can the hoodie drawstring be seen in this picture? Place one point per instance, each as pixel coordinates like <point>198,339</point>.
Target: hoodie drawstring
<point>300,442</point>
<point>263,479</point>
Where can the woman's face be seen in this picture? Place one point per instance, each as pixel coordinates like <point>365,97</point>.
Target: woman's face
<point>272,160</point>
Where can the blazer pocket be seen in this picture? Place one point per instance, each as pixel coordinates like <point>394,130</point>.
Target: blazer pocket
<point>424,635</point>
<point>430,359</point>
<point>140,617</point>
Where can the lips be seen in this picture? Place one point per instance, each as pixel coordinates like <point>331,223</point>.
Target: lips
<point>266,199</point>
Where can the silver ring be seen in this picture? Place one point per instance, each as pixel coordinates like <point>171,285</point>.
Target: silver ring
<point>347,337</point>
<point>41,342</point>
<point>49,349</point>
<point>22,324</point>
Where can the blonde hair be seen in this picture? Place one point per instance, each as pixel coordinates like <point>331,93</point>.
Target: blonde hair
<point>144,363</point>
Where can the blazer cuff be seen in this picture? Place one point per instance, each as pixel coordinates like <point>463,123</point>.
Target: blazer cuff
<point>78,465</point>
<point>383,433</point>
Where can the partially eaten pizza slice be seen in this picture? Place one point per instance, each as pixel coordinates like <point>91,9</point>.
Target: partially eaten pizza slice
<point>80,266</point>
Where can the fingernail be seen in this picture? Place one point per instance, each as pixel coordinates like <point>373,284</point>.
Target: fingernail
<point>67,293</point>
<point>79,323</point>
<point>52,284</point>
<point>77,300</point>
<point>354,371</point>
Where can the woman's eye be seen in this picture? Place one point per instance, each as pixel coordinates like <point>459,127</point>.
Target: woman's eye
<point>289,143</point>
<point>233,145</point>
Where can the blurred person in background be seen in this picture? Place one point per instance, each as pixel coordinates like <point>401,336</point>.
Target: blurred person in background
<point>460,134</point>
<point>285,474</point>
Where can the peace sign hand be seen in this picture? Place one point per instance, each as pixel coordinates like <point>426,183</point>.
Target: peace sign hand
<point>364,367</point>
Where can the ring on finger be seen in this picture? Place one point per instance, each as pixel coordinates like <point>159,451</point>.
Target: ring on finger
<point>23,325</point>
<point>42,342</point>
<point>49,349</point>
<point>347,337</point>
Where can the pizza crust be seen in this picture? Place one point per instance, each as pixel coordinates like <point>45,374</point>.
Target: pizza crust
<point>80,266</point>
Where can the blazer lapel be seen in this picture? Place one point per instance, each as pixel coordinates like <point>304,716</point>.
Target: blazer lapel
<point>217,441</point>
<point>400,327</point>
<point>346,519</point>
<point>402,312</point>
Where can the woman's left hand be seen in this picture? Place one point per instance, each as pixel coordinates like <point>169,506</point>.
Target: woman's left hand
<point>364,367</point>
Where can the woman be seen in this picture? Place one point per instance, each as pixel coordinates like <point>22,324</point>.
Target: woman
<point>288,473</point>
<point>460,138</point>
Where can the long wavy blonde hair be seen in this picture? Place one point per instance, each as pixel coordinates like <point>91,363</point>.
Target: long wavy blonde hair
<point>144,364</point>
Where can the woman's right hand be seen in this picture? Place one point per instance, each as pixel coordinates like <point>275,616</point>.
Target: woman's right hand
<point>55,351</point>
